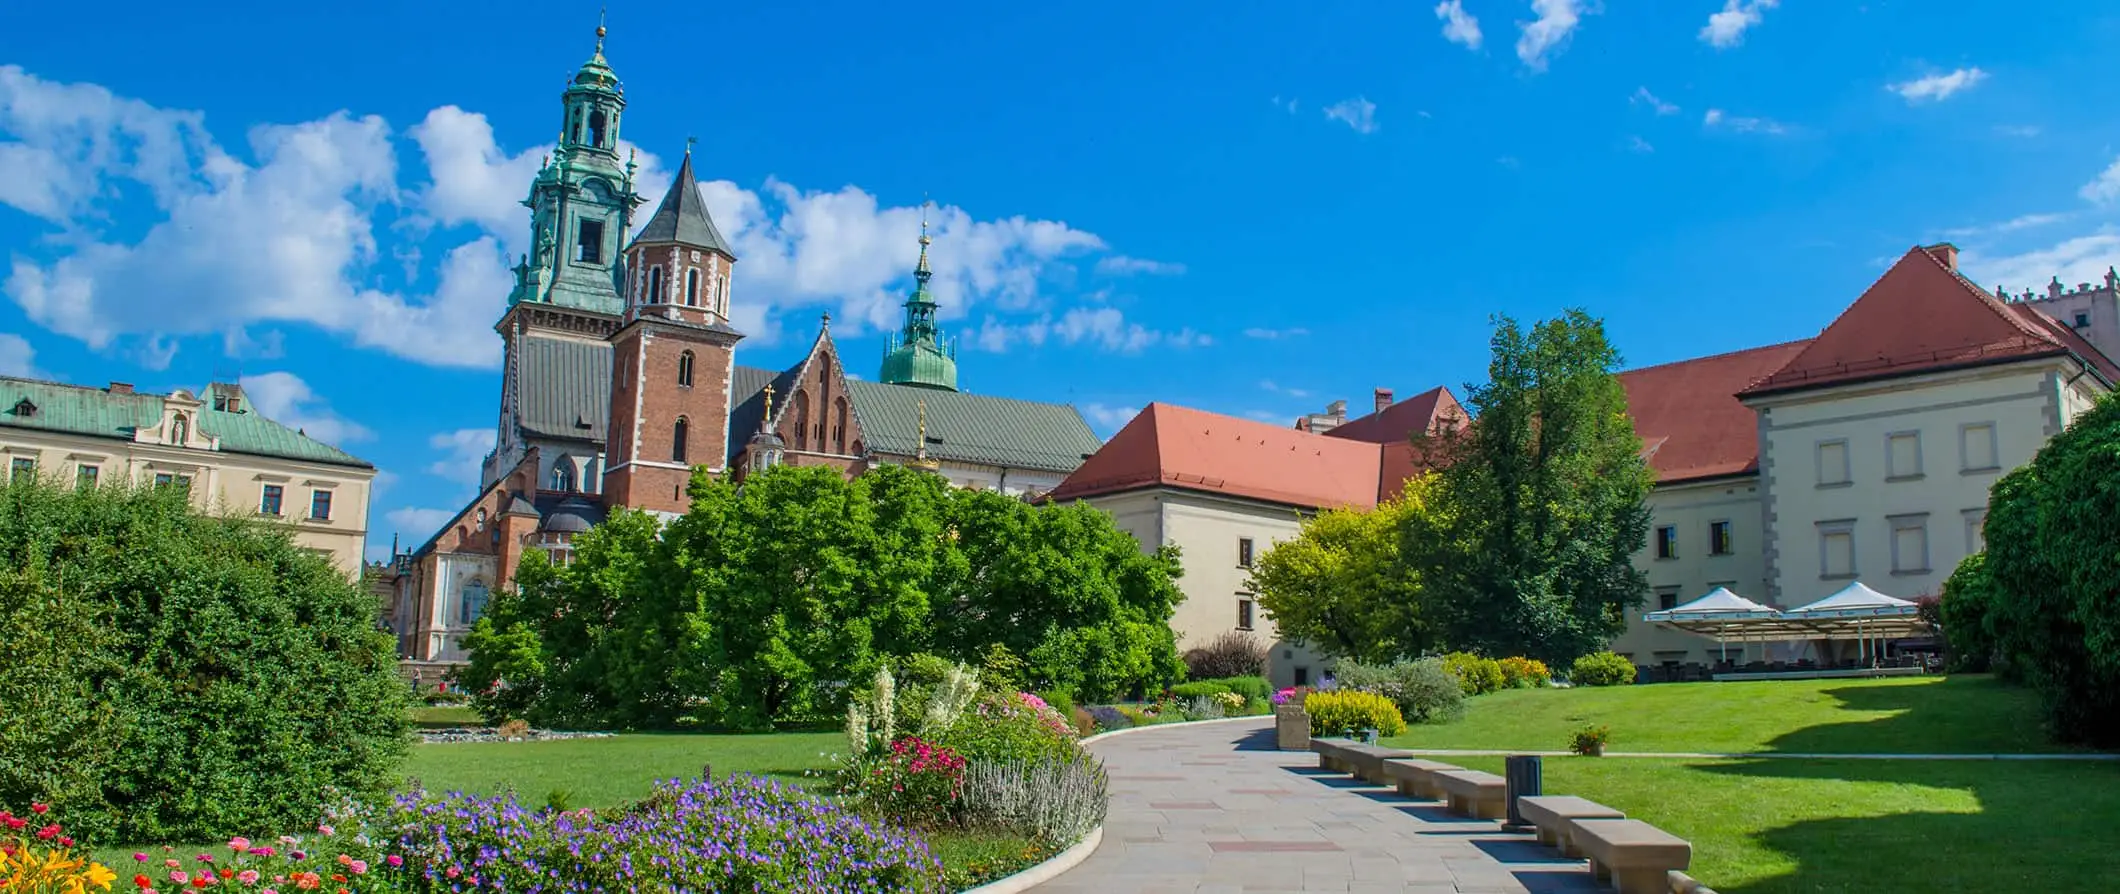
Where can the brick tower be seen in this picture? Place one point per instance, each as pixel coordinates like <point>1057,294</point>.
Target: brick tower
<point>672,356</point>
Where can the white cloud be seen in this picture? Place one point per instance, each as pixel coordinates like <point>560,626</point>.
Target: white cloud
<point>1638,144</point>
<point>306,228</point>
<point>2023,131</point>
<point>2106,188</point>
<point>284,398</point>
<point>1642,96</point>
<point>1121,265</point>
<point>1102,327</point>
<point>1269,385</point>
<point>1458,25</point>
<point>1286,105</point>
<point>1740,124</point>
<point>416,523</point>
<point>2020,222</point>
<point>1358,113</point>
<point>1262,332</point>
<point>1726,29</point>
<point>1106,417</point>
<point>463,454</point>
<point>17,358</point>
<point>1548,34</point>
<point>2076,260</point>
<point>1938,87</point>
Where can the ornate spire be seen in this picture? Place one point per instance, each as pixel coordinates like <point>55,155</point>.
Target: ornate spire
<point>600,34</point>
<point>918,355</point>
<point>767,419</point>
<point>920,458</point>
<point>920,270</point>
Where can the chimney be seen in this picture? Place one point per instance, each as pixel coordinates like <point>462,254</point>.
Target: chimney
<point>1303,424</point>
<point>1383,399</point>
<point>120,388</point>
<point>1945,253</point>
<point>1337,410</point>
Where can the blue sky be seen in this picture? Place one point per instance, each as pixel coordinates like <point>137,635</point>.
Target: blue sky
<point>1252,211</point>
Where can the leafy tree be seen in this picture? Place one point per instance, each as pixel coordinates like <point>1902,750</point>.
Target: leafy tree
<point>2051,529</point>
<point>170,675</point>
<point>1341,586</point>
<point>1967,614</point>
<point>1539,504</point>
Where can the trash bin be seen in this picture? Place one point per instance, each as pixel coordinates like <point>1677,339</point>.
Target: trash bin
<point>1524,773</point>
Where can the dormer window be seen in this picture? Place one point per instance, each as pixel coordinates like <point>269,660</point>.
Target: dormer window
<point>24,409</point>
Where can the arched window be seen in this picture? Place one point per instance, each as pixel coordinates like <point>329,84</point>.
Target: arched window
<point>839,426</point>
<point>180,429</point>
<point>596,129</point>
<point>684,369</point>
<point>692,287</point>
<point>677,441</point>
<point>473,602</point>
<point>563,475</point>
<point>577,125</point>
<point>802,420</point>
<point>655,284</point>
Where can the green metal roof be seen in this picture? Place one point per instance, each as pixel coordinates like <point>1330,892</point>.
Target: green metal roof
<point>919,364</point>
<point>98,413</point>
<point>974,428</point>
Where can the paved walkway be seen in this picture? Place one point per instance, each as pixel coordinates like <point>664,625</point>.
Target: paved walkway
<point>1212,808</point>
<point>1798,755</point>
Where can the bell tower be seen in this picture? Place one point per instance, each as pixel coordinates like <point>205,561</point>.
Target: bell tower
<point>672,357</point>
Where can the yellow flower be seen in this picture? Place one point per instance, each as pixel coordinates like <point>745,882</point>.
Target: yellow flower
<point>99,875</point>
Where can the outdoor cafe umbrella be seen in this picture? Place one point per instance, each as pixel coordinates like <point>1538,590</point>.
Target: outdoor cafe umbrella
<point>1857,608</point>
<point>1715,614</point>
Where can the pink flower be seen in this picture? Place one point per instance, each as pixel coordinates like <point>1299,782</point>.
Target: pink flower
<point>180,876</point>
<point>247,876</point>
<point>171,863</point>
<point>239,844</point>
<point>360,867</point>
<point>140,856</point>
<point>394,860</point>
<point>326,830</point>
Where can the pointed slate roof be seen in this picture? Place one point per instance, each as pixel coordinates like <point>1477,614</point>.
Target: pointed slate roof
<point>682,217</point>
<point>1180,447</point>
<point>1921,316</point>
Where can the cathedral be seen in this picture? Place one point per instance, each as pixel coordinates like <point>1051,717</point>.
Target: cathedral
<point>620,378</point>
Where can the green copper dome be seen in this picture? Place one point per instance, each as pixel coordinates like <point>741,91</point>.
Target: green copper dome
<point>918,355</point>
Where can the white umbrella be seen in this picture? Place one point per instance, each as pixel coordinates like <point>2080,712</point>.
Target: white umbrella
<point>1714,614</point>
<point>1860,608</point>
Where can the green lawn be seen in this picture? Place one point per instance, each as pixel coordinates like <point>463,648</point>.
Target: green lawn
<point>1787,825</point>
<point>1940,715</point>
<point>607,772</point>
<point>445,717</point>
<point>1782,825</point>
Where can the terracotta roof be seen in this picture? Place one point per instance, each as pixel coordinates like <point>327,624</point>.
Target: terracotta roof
<point>1398,422</point>
<point>1688,416</point>
<point>1920,316</point>
<point>1180,447</point>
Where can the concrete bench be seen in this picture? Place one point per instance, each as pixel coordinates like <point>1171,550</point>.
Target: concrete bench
<point>1552,814</point>
<point>1368,761</point>
<point>1636,857</point>
<point>1473,793</point>
<point>1415,777</point>
<point>1332,754</point>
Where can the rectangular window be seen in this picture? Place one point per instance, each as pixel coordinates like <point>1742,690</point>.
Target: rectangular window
<point>1976,447</point>
<point>171,479</point>
<point>1975,533</point>
<point>1666,598</point>
<point>1902,456</point>
<point>22,468</point>
<point>85,476</point>
<point>1910,543</point>
<point>1833,468</point>
<point>1719,539</point>
<point>1836,549</point>
<point>2082,319</point>
<point>1243,552</point>
<point>1667,542</point>
<point>1244,607</point>
<point>589,242</point>
<point>269,501</point>
<point>1302,676</point>
<point>320,505</point>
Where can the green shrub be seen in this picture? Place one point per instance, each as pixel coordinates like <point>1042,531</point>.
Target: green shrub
<point>921,669</point>
<point>1475,675</point>
<point>171,676</point>
<point>1601,669</point>
<point>1060,700</point>
<point>1522,673</point>
<point>1968,610</point>
<point>1234,654</point>
<point>1343,712</point>
<point>1010,726</point>
<point>1249,686</point>
<point>1423,691</point>
<point>1198,688</point>
<point>1257,706</point>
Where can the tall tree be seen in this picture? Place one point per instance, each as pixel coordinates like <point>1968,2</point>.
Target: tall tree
<point>1541,500</point>
<point>1341,586</point>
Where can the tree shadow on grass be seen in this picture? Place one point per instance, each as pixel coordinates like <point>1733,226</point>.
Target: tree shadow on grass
<point>2034,825</point>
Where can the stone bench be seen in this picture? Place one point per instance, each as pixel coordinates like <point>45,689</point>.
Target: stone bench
<point>1363,760</point>
<point>1636,857</point>
<point>1552,814</point>
<point>1332,754</point>
<point>1473,793</point>
<point>1415,777</point>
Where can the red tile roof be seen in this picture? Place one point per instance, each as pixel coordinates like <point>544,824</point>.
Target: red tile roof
<point>1172,446</point>
<point>1688,416</point>
<point>1920,316</point>
<point>1396,423</point>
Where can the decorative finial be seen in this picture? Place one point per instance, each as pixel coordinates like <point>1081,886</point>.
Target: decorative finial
<point>920,270</point>
<point>828,319</point>
<point>920,448</point>
<point>688,145</point>
<point>600,32</point>
<point>768,418</point>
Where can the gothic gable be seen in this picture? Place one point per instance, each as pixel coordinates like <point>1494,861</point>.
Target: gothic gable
<point>813,409</point>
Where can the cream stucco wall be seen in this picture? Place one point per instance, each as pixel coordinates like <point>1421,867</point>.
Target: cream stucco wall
<point>1920,454</point>
<point>231,483</point>
<point>1208,531</point>
<point>1691,510</point>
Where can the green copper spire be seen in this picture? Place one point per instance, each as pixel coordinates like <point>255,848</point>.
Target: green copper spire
<point>582,202</point>
<point>918,355</point>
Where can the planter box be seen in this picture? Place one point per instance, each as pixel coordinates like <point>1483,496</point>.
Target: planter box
<point>1291,728</point>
